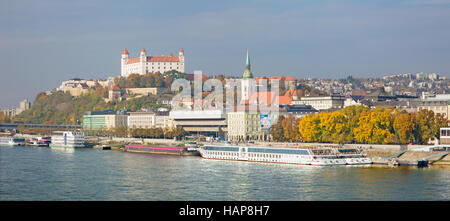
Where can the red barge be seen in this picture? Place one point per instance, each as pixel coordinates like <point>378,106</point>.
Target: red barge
<point>181,151</point>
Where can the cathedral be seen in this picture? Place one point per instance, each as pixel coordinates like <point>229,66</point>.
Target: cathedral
<point>151,64</point>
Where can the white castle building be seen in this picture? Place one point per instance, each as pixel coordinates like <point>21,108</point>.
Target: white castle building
<point>151,64</point>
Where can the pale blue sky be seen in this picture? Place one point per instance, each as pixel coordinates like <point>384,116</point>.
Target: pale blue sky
<point>45,42</point>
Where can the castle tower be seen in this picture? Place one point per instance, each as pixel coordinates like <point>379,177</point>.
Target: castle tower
<point>181,55</point>
<point>143,62</point>
<point>246,86</point>
<point>123,62</point>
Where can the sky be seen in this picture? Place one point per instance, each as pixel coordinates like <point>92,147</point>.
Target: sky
<point>45,42</point>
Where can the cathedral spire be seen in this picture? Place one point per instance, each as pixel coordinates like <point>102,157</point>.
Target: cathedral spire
<point>248,71</point>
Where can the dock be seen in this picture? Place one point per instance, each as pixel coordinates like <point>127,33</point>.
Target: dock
<point>414,158</point>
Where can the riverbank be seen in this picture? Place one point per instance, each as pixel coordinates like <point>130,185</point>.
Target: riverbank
<point>380,154</point>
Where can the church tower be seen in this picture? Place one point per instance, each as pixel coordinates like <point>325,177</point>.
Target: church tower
<point>247,77</point>
<point>123,62</point>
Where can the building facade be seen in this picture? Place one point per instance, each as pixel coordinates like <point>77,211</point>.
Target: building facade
<point>204,122</point>
<point>151,64</point>
<point>149,119</point>
<point>322,103</point>
<point>444,135</point>
<point>104,120</point>
<point>441,107</point>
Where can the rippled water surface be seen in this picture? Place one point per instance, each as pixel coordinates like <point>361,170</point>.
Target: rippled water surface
<point>43,174</point>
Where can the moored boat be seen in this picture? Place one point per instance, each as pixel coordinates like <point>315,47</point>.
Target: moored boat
<point>11,141</point>
<point>353,156</point>
<point>287,155</point>
<point>182,151</point>
<point>67,139</point>
<point>40,141</point>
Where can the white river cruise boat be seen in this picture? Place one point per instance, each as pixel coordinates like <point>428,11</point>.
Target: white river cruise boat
<point>11,141</point>
<point>305,156</point>
<point>72,139</point>
<point>353,156</point>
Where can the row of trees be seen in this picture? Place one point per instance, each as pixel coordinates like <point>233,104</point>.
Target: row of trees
<point>4,118</point>
<point>139,132</point>
<point>359,124</point>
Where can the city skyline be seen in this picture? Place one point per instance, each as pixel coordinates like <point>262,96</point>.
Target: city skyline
<point>47,42</point>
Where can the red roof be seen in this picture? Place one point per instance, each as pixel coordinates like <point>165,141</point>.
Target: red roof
<point>276,78</point>
<point>143,50</point>
<point>133,60</point>
<point>181,51</point>
<point>115,88</point>
<point>155,59</point>
<point>162,59</point>
<point>125,51</point>
<point>266,98</point>
<point>191,77</point>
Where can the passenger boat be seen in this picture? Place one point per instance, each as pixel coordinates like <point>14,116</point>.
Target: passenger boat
<point>40,141</point>
<point>353,156</point>
<point>191,146</point>
<point>305,156</point>
<point>11,141</point>
<point>182,151</point>
<point>70,139</point>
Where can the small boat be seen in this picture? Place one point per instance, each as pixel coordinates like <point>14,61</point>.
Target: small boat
<point>39,141</point>
<point>191,146</point>
<point>353,156</point>
<point>11,141</point>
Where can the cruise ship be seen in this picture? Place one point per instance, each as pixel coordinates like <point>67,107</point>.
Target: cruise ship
<point>71,139</point>
<point>11,141</point>
<point>353,156</point>
<point>304,156</point>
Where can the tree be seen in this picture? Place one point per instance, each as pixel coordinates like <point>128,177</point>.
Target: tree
<point>4,118</point>
<point>425,124</point>
<point>374,127</point>
<point>440,121</point>
<point>277,132</point>
<point>404,127</point>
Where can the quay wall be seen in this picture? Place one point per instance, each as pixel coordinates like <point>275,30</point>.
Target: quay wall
<point>142,141</point>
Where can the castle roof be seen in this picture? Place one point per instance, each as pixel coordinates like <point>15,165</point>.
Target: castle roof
<point>125,51</point>
<point>181,51</point>
<point>162,59</point>
<point>169,58</point>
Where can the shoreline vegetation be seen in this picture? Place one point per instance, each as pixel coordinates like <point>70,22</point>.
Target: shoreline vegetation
<point>361,125</point>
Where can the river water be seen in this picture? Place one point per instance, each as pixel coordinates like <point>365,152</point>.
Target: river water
<point>42,174</point>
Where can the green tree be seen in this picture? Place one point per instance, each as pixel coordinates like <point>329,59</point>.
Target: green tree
<point>425,126</point>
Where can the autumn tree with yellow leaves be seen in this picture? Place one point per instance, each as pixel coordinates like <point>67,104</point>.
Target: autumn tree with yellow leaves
<point>381,125</point>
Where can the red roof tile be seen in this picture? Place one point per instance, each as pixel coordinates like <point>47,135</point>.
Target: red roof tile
<point>267,98</point>
<point>162,59</point>
<point>133,60</point>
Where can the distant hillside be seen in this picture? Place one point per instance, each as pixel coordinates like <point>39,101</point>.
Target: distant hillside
<point>62,108</point>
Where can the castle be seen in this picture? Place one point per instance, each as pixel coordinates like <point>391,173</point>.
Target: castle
<point>145,64</point>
